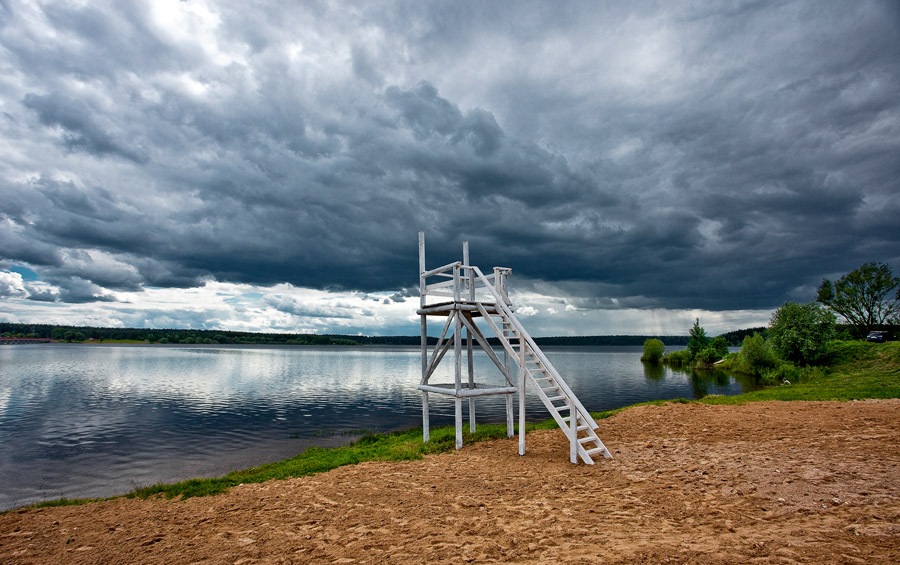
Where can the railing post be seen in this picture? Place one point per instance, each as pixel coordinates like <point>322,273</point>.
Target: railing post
<point>467,275</point>
<point>500,276</point>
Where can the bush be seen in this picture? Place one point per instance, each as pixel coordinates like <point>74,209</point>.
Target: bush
<point>680,358</point>
<point>654,349</point>
<point>800,332</point>
<point>756,356</point>
<point>706,357</point>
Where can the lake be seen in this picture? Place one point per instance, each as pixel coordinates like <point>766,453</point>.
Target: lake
<point>99,420</point>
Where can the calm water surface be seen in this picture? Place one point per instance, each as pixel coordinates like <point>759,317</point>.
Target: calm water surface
<point>92,421</point>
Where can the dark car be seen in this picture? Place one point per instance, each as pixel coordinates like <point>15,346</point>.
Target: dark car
<point>878,337</point>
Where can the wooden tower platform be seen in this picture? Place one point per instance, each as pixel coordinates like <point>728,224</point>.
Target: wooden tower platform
<point>473,306</point>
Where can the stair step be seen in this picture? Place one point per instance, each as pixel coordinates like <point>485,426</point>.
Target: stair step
<point>584,440</point>
<point>596,450</point>
<point>555,398</point>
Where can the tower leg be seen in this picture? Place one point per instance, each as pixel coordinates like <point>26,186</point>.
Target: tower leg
<point>426,432</point>
<point>470,362</point>
<point>573,433</point>
<point>510,419</point>
<point>459,436</point>
<point>522,397</point>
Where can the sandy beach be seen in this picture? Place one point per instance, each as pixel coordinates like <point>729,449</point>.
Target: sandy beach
<point>772,482</point>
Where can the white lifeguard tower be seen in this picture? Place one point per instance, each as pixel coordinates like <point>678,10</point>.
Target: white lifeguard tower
<point>474,297</point>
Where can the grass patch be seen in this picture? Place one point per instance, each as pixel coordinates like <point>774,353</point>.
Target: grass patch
<point>397,446</point>
<point>855,370</point>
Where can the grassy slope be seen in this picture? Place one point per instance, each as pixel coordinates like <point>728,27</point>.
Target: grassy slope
<point>856,370</point>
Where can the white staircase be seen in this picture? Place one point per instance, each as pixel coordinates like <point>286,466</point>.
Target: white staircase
<point>544,379</point>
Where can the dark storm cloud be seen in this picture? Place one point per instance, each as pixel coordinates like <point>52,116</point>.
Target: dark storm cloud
<point>80,132</point>
<point>674,155</point>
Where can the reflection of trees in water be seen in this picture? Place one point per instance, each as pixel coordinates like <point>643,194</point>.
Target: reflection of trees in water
<point>699,384</point>
<point>747,382</point>
<point>702,379</point>
<point>654,371</point>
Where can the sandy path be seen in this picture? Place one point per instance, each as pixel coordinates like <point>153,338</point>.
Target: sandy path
<point>767,482</point>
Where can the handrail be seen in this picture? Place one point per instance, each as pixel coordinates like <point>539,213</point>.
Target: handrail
<point>535,349</point>
<point>447,267</point>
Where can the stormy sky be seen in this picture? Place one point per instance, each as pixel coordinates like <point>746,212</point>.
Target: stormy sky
<point>267,166</point>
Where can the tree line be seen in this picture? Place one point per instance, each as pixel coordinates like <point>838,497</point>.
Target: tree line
<point>74,334</point>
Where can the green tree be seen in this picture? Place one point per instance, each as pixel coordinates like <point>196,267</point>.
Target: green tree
<point>867,297</point>
<point>720,345</point>
<point>756,356</point>
<point>653,350</point>
<point>698,340</point>
<point>799,332</point>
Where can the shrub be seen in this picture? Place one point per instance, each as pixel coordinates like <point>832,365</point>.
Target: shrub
<point>706,357</point>
<point>680,358</point>
<point>654,349</point>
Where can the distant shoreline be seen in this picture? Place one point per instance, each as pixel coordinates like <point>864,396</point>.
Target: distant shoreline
<point>64,333</point>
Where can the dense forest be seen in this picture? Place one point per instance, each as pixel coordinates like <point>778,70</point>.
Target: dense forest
<point>189,336</point>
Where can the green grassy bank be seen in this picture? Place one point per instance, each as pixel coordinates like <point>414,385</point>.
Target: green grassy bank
<point>854,370</point>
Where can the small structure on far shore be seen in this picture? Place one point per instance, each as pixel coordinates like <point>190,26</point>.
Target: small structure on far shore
<point>469,296</point>
<point>21,340</point>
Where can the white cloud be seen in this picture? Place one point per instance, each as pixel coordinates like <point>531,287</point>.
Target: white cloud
<point>216,305</point>
<point>526,311</point>
<point>12,285</point>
